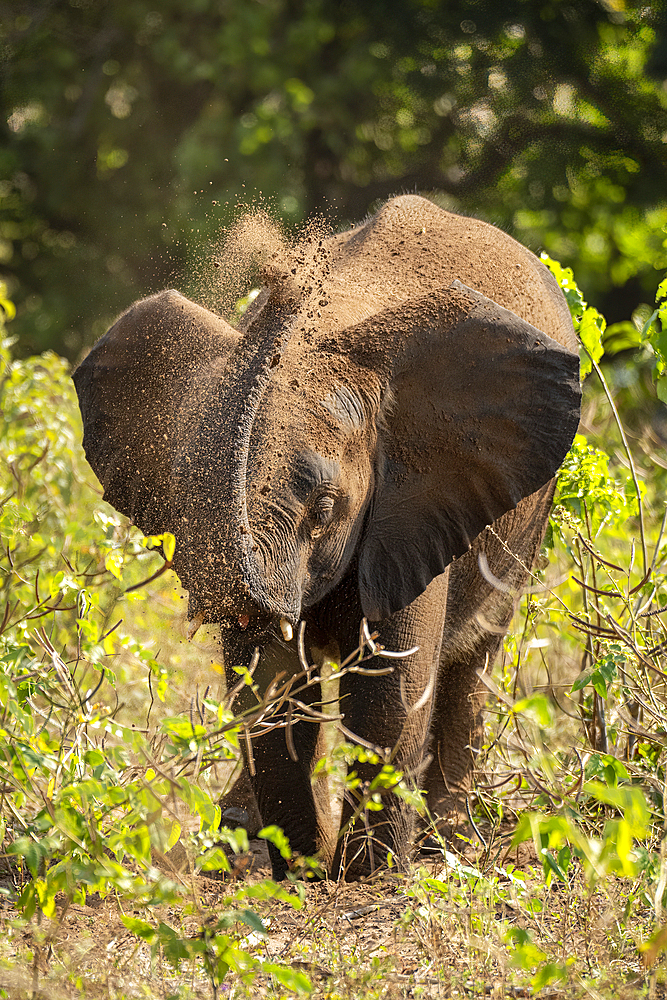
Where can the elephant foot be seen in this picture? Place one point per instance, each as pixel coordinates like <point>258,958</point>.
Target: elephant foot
<point>360,857</point>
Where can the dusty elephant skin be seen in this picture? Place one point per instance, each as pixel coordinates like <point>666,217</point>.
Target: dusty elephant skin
<point>392,392</point>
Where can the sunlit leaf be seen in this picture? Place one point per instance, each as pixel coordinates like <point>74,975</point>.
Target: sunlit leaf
<point>619,337</point>
<point>140,927</point>
<point>276,837</point>
<point>591,328</point>
<point>113,561</point>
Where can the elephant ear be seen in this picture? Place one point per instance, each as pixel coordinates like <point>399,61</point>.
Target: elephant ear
<point>130,388</point>
<point>480,411</point>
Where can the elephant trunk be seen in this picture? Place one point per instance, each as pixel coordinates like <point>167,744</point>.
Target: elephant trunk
<point>221,563</point>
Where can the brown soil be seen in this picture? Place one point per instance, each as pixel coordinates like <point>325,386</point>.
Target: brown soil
<point>394,937</point>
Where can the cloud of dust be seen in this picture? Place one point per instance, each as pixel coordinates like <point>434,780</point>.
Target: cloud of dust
<point>241,254</point>
<point>255,251</point>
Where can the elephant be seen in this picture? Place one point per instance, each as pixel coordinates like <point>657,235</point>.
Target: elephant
<point>376,440</point>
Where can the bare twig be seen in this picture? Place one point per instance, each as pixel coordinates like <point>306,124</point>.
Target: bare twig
<point>626,446</point>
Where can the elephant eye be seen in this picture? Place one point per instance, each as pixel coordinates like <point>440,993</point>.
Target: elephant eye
<point>321,509</point>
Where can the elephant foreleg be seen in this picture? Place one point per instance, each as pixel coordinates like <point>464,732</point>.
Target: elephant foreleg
<point>392,712</point>
<point>284,793</point>
<point>278,765</point>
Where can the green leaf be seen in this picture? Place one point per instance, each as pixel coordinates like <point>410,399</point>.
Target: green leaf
<point>174,834</point>
<point>182,729</point>
<point>176,949</point>
<point>213,860</point>
<point>648,328</point>
<point>200,802</point>
<point>537,707</point>
<point>608,665</point>
<point>268,889</point>
<point>437,885</point>
<point>113,562</point>
<point>628,799</point>
<point>139,927</point>
<point>555,865</point>
<point>619,337</point>
<point>166,540</point>
<point>585,478</point>
<point>276,837</point>
<point>591,328</point>
<point>31,851</point>
<point>94,758</point>
<point>656,944</point>
<point>168,546</point>
<point>237,839</point>
<point>290,978</point>
<point>527,956</point>
<point>582,680</point>
<point>598,684</point>
<point>252,920</point>
<point>565,279</point>
<point>548,973</point>
<point>27,901</point>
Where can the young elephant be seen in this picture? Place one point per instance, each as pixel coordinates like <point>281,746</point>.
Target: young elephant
<point>393,391</point>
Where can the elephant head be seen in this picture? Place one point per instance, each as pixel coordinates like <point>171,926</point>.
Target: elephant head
<point>387,397</point>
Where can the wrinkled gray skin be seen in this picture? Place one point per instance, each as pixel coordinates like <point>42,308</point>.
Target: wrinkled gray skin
<point>393,390</point>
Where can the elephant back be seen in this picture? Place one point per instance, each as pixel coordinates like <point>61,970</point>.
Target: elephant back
<point>411,247</point>
<point>408,250</point>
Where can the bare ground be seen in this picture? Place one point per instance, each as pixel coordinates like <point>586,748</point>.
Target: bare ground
<point>430,933</point>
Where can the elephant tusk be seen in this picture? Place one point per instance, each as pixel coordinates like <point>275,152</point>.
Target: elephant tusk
<point>286,630</point>
<point>195,624</point>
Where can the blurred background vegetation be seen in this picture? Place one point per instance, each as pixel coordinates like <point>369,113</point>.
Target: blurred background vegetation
<point>131,132</point>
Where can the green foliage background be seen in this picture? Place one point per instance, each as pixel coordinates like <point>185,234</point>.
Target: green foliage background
<point>131,131</point>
